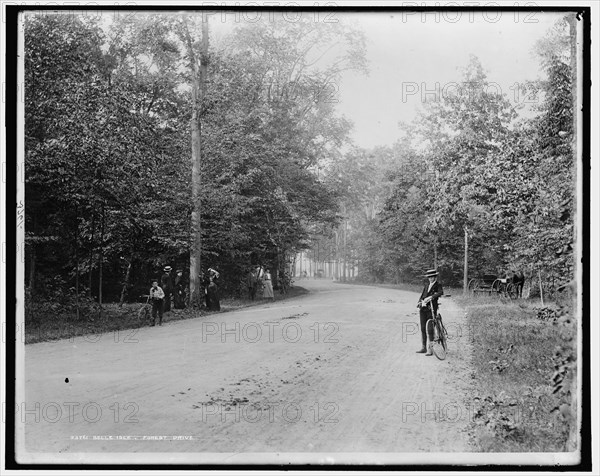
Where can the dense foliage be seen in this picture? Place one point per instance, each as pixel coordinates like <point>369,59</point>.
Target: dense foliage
<point>470,164</point>
<point>108,182</point>
<point>108,159</point>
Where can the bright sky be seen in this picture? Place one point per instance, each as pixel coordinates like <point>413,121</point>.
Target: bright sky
<point>410,54</point>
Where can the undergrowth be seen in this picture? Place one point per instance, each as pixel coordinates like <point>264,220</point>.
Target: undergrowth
<point>524,369</point>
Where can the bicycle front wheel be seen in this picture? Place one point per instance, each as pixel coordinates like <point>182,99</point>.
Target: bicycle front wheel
<point>440,342</point>
<point>144,313</point>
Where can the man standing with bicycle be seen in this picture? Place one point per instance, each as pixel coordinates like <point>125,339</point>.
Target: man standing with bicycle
<point>431,292</point>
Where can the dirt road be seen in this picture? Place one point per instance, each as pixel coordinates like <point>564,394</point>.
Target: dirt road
<point>334,371</point>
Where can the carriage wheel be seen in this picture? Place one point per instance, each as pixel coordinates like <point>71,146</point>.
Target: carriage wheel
<point>497,286</point>
<point>473,284</point>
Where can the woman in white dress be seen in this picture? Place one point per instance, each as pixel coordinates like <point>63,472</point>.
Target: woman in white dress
<point>268,286</point>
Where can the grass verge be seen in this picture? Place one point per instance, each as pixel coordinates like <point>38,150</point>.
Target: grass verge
<point>517,405</point>
<point>48,325</point>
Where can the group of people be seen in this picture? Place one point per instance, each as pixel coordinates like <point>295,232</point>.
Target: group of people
<point>258,277</point>
<point>169,290</point>
<point>173,291</point>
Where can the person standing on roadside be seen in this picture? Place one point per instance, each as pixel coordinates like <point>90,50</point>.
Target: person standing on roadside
<point>268,286</point>
<point>431,293</point>
<point>252,283</point>
<point>166,282</point>
<point>157,297</point>
<point>179,296</point>
<point>212,291</point>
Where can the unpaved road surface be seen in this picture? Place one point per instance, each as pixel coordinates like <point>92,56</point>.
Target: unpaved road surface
<point>334,371</point>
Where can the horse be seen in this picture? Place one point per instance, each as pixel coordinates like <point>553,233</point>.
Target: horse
<point>518,280</point>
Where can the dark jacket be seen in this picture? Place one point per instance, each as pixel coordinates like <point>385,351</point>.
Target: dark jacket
<point>252,280</point>
<point>436,291</point>
<point>166,281</point>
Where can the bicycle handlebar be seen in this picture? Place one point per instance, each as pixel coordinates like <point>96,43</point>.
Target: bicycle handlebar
<point>146,297</point>
<point>429,303</point>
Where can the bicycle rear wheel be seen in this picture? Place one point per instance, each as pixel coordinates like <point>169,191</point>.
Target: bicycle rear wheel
<point>440,342</point>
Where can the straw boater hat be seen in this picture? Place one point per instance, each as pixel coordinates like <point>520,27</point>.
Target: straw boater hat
<point>167,268</point>
<point>431,273</point>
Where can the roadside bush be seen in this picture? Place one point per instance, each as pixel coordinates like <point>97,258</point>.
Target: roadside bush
<point>57,301</point>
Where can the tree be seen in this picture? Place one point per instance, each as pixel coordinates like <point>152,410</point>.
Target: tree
<point>537,205</point>
<point>199,77</point>
<point>108,185</point>
<point>270,129</point>
<point>95,155</point>
<point>479,177</point>
<point>455,143</point>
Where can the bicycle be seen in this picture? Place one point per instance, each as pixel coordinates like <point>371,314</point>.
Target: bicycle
<point>439,344</point>
<point>145,312</point>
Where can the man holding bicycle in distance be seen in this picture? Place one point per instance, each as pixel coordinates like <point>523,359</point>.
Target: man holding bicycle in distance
<point>431,292</point>
<point>157,296</point>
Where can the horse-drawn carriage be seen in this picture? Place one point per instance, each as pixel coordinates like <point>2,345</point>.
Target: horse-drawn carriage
<point>491,284</point>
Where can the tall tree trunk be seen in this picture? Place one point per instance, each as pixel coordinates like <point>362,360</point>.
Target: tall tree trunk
<point>32,257</point>
<point>279,268</point>
<point>318,258</point>
<point>345,243</point>
<point>541,287</point>
<point>435,256</point>
<point>91,254</point>
<point>32,270</point>
<point>77,261</point>
<point>466,263</point>
<point>338,262</point>
<point>101,255</point>
<point>199,77</point>
<point>126,282</point>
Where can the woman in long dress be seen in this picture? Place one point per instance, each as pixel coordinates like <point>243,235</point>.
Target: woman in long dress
<point>268,286</point>
<point>212,291</point>
<point>212,296</point>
